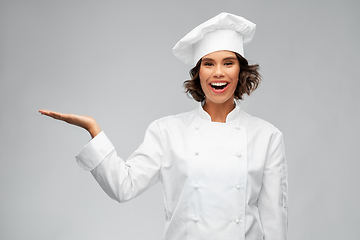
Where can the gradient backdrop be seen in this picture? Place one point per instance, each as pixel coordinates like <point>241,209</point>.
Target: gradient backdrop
<point>112,60</point>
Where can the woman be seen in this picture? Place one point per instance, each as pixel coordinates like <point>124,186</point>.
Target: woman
<point>223,171</point>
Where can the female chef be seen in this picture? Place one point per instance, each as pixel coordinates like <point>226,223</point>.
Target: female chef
<point>223,171</point>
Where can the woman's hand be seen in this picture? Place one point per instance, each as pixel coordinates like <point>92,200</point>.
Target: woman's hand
<point>83,121</point>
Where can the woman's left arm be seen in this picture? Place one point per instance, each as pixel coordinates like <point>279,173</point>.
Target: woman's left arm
<point>273,199</point>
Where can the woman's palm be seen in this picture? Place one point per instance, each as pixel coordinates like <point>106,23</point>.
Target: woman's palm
<point>83,121</point>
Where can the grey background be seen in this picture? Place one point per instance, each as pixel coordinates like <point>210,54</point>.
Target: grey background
<point>112,60</point>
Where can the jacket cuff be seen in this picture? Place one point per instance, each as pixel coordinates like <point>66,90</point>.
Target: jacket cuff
<point>94,152</point>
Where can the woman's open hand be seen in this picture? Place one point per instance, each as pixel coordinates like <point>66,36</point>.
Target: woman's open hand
<point>83,121</point>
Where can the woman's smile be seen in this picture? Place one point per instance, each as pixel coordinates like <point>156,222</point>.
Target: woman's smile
<point>219,86</point>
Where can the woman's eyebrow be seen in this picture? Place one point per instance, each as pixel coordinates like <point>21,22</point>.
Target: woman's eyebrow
<point>227,58</point>
<point>207,59</point>
<point>230,58</point>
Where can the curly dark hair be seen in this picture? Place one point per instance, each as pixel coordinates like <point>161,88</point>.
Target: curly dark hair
<point>249,80</point>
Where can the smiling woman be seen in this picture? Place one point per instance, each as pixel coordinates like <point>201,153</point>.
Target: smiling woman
<point>224,172</point>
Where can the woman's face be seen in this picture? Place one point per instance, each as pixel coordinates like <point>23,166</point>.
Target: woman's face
<point>219,73</point>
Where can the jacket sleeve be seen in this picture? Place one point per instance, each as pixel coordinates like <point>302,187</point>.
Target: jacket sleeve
<point>121,180</point>
<point>273,199</point>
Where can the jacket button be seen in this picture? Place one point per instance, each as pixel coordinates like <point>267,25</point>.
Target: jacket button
<point>238,154</point>
<point>238,186</point>
<point>196,127</point>
<point>196,153</point>
<point>237,221</point>
<point>196,186</point>
<point>237,128</point>
<point>195,219</point>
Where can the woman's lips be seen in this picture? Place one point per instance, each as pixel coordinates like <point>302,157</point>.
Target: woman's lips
<point>219,90</point>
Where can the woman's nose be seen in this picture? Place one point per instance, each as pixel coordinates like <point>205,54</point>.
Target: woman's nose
<point>218,72</point>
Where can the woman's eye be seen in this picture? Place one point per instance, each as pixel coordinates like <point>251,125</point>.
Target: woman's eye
<point>228,63</point>
<point>208,64</point>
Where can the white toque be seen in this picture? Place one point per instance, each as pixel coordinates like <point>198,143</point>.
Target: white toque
<point>225,31</point>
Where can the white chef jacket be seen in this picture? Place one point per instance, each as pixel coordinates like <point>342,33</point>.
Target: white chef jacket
<point>220,180</point>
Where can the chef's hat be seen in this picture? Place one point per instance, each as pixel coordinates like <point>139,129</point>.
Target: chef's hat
<point>225,31</point>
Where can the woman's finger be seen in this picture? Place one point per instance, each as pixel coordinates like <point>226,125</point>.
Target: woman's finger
<point>44,111</point>
<point>58,116</point>
<point>50,113</point>
<point>47,112</point>
<point>55,115</point>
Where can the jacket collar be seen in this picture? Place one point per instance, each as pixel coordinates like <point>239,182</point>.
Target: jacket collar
<point>234,114</point>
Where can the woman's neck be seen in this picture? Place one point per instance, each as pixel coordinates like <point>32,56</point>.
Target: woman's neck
<point>219,111</point>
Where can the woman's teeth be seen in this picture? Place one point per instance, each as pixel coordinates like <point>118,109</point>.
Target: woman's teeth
<point>218,85</point>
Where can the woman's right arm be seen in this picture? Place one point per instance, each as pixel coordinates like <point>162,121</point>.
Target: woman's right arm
<point>121,181</point>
